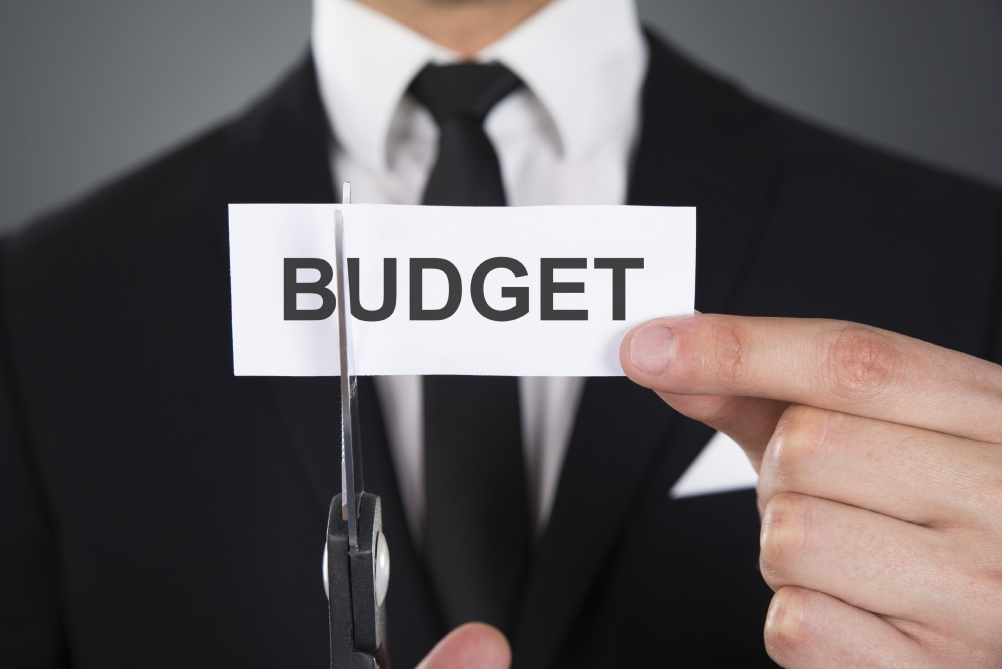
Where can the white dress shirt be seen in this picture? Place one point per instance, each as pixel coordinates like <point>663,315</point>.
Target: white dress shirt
<point>566,138</point>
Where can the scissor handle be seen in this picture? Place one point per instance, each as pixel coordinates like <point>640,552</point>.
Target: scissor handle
<point>355,591</point>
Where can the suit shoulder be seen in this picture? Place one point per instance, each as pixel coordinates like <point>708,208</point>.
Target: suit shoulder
<point>817,160</point>
<point>269,143</point>
<point>857,168</point>
<point>128,206</point>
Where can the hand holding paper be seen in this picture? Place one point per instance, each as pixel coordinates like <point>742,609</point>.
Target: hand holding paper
<point>880,460</point>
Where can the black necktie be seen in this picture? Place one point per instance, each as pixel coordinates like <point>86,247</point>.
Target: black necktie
<point>477,525</point>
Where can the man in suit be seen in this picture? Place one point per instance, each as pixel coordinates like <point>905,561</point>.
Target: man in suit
<point>158,511</point>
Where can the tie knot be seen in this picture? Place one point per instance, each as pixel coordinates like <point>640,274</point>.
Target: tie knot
<point>463,90</point>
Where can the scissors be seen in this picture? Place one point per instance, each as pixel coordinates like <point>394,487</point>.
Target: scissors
<point>356,558</point>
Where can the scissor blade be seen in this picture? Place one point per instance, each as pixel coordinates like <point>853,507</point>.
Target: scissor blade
<point>349,392</point>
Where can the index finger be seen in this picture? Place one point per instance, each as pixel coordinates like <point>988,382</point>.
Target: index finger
<point>833,365</point>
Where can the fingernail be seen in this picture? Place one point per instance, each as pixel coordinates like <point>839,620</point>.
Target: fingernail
<point>786,614</point>
<point>652,349</point>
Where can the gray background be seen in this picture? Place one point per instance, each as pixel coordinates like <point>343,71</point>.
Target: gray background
<point>90,87</point>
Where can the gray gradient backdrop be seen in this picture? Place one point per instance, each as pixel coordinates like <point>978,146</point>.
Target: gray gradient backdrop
<point>91,87</point>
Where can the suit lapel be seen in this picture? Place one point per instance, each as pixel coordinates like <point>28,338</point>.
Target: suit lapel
<point>616,436</point>
<point>692,153</point>
<point>411,602</point>
<point>310,411</point>
<point>277,153</point>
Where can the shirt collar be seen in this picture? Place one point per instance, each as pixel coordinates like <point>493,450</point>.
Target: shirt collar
<point>583,59</point>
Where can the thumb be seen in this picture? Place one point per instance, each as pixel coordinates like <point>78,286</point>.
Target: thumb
<point>750,421</point>
<point>471,646</point>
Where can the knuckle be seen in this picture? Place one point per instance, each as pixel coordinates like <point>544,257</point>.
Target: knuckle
<point>861,362</point>
<point>783,536</point>
<point>728,358</point>
<point>802,435</point>
<point>785,634</point>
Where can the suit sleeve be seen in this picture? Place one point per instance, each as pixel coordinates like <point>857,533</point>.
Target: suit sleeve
<point>30,628</point>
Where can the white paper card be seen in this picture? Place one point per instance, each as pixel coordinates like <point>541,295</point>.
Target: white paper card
<point>558,248</point>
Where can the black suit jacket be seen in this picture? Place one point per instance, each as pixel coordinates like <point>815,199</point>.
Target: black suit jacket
<point>157,511</point>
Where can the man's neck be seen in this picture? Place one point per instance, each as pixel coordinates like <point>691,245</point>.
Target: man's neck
<point>464,26</point>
